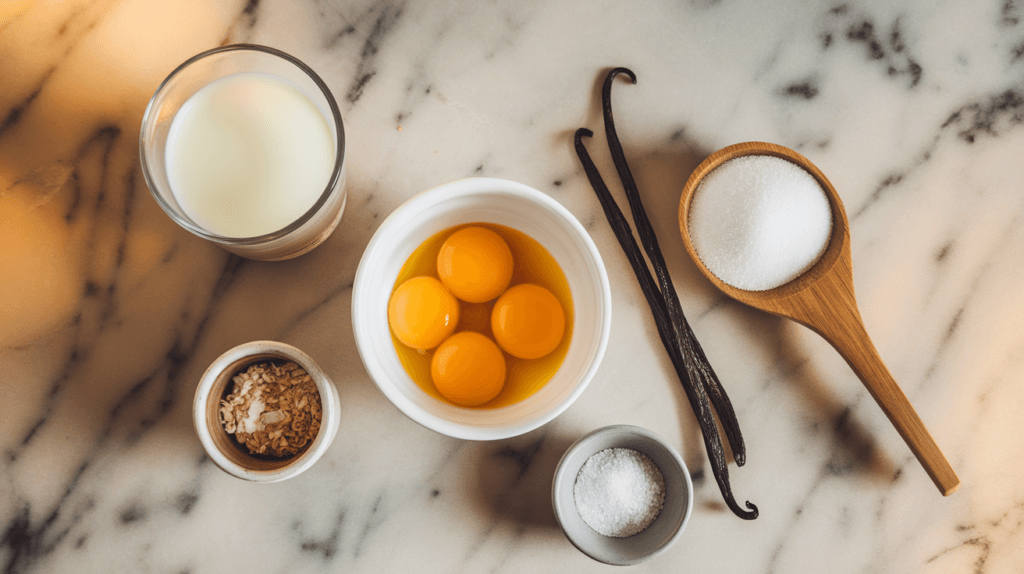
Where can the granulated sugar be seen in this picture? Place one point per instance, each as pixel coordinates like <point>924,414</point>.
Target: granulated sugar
<point>758,222</point>
<point>619,492</point>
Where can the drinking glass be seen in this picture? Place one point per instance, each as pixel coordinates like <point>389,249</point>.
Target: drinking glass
<point>300,236</point>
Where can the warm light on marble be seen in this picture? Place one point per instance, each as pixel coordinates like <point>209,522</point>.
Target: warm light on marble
<point>110,312</point>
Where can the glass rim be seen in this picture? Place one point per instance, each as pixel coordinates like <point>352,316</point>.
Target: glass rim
<point>332,182</point>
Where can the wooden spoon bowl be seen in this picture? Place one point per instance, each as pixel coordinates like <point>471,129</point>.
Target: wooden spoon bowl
<point>822,299</point>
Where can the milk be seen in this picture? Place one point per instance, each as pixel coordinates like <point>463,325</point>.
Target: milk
<point>248,154</point>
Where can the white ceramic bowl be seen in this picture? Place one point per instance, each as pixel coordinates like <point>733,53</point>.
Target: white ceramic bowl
<point>661,534</point>
<point>506,203</point>
<point>223,449</point>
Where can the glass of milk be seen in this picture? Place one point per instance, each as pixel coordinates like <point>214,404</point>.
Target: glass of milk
<point>244,145</point>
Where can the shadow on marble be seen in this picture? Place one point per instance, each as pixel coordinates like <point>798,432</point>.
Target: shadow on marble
<point>854,449</point>
<point>513,478</point>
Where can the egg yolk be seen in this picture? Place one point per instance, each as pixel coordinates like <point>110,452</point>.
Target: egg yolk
<point>475,264</point>
<point>527,321</point>
<point>422,313</point>
<point>468,369</point>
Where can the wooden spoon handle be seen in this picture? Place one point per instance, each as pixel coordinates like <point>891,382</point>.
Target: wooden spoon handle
<point>854,344</point>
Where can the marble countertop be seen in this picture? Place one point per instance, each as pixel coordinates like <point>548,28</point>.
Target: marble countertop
<point>109,312</point>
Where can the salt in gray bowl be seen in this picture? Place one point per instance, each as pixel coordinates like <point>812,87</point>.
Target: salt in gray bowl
<point>656,538</point>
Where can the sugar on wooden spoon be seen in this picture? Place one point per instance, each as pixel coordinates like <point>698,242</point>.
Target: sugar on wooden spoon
<point>820,297</point>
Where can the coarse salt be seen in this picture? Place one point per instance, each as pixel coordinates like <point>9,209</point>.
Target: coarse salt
<point>619,492</point>
<point>758,222</point>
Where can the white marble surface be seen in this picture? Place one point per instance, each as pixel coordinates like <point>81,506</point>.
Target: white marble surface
<point>109,313</point>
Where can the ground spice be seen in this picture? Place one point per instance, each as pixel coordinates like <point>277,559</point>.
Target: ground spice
<point>273,409</point>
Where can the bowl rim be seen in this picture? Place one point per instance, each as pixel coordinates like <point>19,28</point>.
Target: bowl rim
<point>560,506</point>
<point>328,397</point>
<point>452,190</point>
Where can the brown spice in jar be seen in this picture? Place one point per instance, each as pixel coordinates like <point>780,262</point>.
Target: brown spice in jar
<point>273,409</point>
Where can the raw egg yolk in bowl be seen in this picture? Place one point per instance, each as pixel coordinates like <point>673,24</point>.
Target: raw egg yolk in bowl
<point>422,313</point>
<point>475,264</point>
<point>481,316</point>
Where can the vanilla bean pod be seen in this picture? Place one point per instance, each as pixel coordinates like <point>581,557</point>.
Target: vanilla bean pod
<point>675,344</point>
<point>700,368</point>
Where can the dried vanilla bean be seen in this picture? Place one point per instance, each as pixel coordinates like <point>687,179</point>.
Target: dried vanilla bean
<point>699,368</point>
<point>696,375</point>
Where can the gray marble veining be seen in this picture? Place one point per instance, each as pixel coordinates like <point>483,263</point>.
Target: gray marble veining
<point>110,312</point>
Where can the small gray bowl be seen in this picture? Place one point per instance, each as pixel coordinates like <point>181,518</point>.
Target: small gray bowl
<point>657,537</point>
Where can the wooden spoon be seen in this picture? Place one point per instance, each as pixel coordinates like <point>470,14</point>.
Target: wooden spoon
<point>822,299</point>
